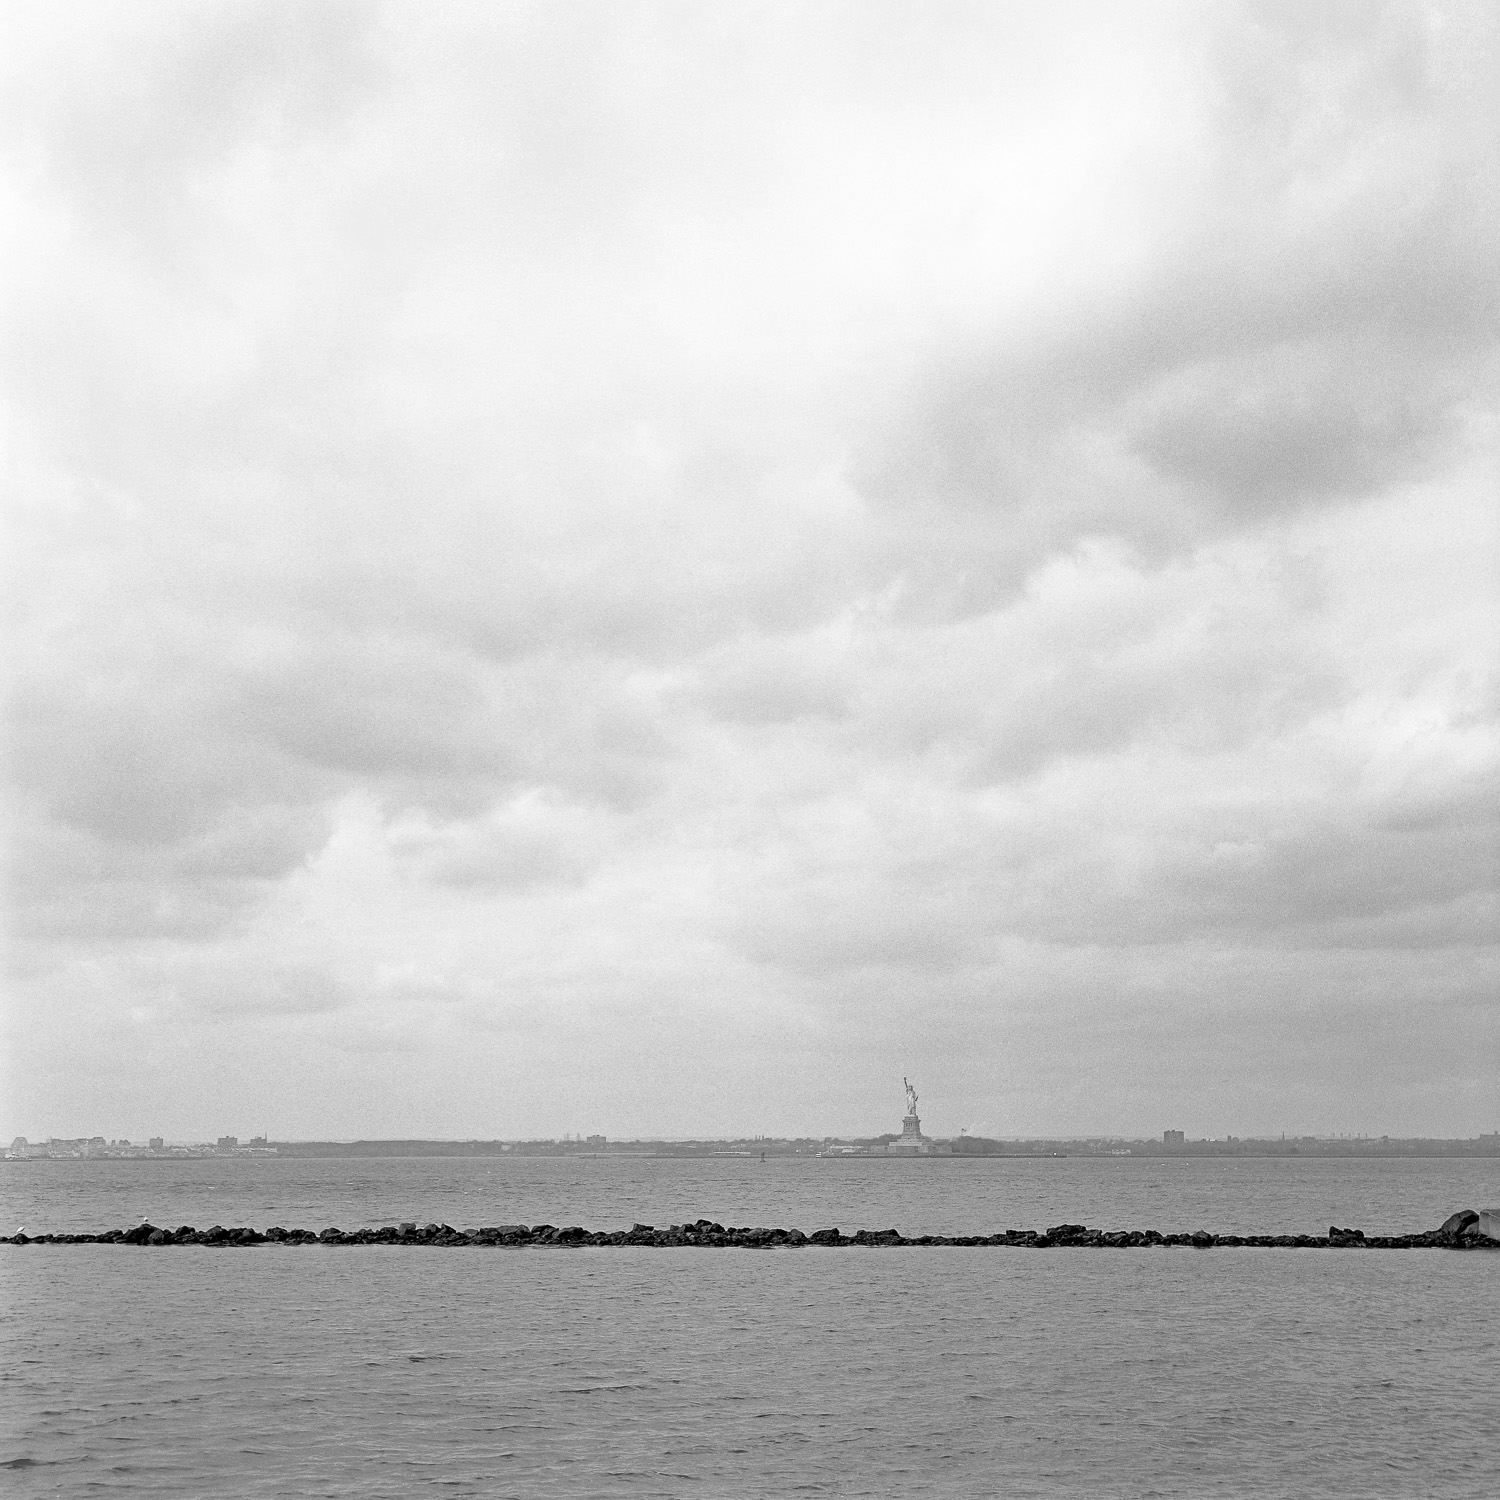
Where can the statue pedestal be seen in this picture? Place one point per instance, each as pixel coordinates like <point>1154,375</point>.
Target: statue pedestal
<point>911,1142</point>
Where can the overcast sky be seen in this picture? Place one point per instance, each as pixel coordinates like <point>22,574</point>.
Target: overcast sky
<point>654,568</point>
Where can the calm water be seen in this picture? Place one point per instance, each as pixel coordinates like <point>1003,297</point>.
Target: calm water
<point>739,1373</point>
<point>1232,1196</point>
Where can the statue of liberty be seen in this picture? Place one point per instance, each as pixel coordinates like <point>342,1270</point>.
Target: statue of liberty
<point>911,1141</point>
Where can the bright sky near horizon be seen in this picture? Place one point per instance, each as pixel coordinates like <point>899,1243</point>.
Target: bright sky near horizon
<point>654,568</point>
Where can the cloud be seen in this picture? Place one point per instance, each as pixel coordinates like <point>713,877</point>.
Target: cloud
<point>678,559</point>
<point>196,993</point>
<point>532,841</point>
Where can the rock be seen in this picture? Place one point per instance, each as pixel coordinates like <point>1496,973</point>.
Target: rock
<point>1465,1230</point>
<point>1455,1224</point>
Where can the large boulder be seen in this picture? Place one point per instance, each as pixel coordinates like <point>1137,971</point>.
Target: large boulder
<point>1482,1234</point>
<point>1062,1233</point>
<point>1455,1224</point>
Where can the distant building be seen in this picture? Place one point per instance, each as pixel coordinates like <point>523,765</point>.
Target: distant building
<point>227,1142</point>
<point>156,1143</point>
<point>597,1140</point>
<point>1173,1138</point>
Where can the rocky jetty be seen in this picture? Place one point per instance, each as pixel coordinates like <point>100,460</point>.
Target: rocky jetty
<point>1461,1231</point>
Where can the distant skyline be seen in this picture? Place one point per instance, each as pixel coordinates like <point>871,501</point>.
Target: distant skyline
<point>654,568</point>
<point>272,1138</point>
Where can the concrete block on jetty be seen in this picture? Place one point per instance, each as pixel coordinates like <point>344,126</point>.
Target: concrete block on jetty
<point>1464,1230</point>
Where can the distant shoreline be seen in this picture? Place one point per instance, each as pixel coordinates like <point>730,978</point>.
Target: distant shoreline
<point>959,1149</point>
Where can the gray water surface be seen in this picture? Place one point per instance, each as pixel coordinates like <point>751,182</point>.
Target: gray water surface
<point>935,1196</point>
<point>952,1372</point>
<point>342,1372</point>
